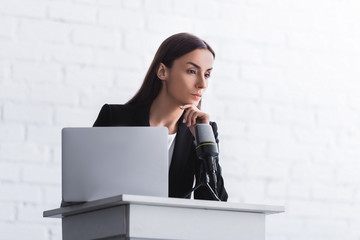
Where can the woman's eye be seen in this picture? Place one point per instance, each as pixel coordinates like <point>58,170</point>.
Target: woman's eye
<point>207,75</point>
<point>191,71</point>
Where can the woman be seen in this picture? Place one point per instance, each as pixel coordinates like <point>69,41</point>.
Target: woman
<point>170,96</point>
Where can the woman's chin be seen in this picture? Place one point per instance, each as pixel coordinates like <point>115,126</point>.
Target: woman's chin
<point>192,103</point>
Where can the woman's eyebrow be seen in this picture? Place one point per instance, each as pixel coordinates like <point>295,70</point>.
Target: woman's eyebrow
<point>197,66</point>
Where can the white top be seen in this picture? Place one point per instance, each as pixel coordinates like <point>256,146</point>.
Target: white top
<point>171,144</point>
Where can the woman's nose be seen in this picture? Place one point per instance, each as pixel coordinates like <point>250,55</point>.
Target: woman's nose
<point>201,83</point>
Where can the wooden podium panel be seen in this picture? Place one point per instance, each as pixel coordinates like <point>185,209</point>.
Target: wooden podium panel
<point>141,217</point>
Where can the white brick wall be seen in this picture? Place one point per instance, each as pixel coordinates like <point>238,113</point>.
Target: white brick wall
<point>284,93</point>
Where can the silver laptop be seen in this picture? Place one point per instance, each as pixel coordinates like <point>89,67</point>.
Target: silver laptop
<point>101,162</point>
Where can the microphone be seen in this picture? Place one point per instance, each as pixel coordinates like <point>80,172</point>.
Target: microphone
<point>207,150</point>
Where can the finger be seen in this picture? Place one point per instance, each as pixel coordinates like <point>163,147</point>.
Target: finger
<point>196,118</point>
<point>201,117</point>
<point>185,119</point>
<point>189,112</point>
<point>189,109</point>
<point>192,118</point>
<point>186,106</point>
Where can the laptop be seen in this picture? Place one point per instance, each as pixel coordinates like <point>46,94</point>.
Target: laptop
<point>101,162</point>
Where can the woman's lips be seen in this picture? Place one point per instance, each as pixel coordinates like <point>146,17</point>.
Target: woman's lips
<point>197,96</point>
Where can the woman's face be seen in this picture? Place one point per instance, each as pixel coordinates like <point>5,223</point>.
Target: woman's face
<point>186,81</point>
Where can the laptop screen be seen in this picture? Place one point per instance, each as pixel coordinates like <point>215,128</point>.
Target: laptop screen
<point>101,162</point>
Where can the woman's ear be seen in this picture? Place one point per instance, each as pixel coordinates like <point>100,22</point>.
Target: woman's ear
<point>162,72</point>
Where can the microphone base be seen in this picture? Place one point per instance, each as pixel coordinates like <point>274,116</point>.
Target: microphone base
<point>207,185</point>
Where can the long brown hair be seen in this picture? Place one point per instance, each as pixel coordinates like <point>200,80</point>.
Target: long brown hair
<point>172,48</point>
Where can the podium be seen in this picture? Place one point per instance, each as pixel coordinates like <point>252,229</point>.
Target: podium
<point>131,217</point>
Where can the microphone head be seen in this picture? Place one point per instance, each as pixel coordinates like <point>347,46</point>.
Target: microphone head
<point>205,141</point>
<point>203,133</point>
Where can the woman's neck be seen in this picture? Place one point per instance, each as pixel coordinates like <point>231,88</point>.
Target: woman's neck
<point>164,112</point>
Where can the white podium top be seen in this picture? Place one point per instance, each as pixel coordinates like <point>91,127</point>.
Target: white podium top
<point>158,201</point>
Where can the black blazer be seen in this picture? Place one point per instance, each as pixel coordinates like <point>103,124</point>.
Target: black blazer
<point>184,164</point>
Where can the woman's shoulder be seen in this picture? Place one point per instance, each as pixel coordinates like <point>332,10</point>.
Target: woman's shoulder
<point>120,108</point>
<point>116,107</point>
<point>110,114</point>
<point>117,114</point>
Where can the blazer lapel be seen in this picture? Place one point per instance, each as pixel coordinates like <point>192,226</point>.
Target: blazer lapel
<point>182,148</point>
